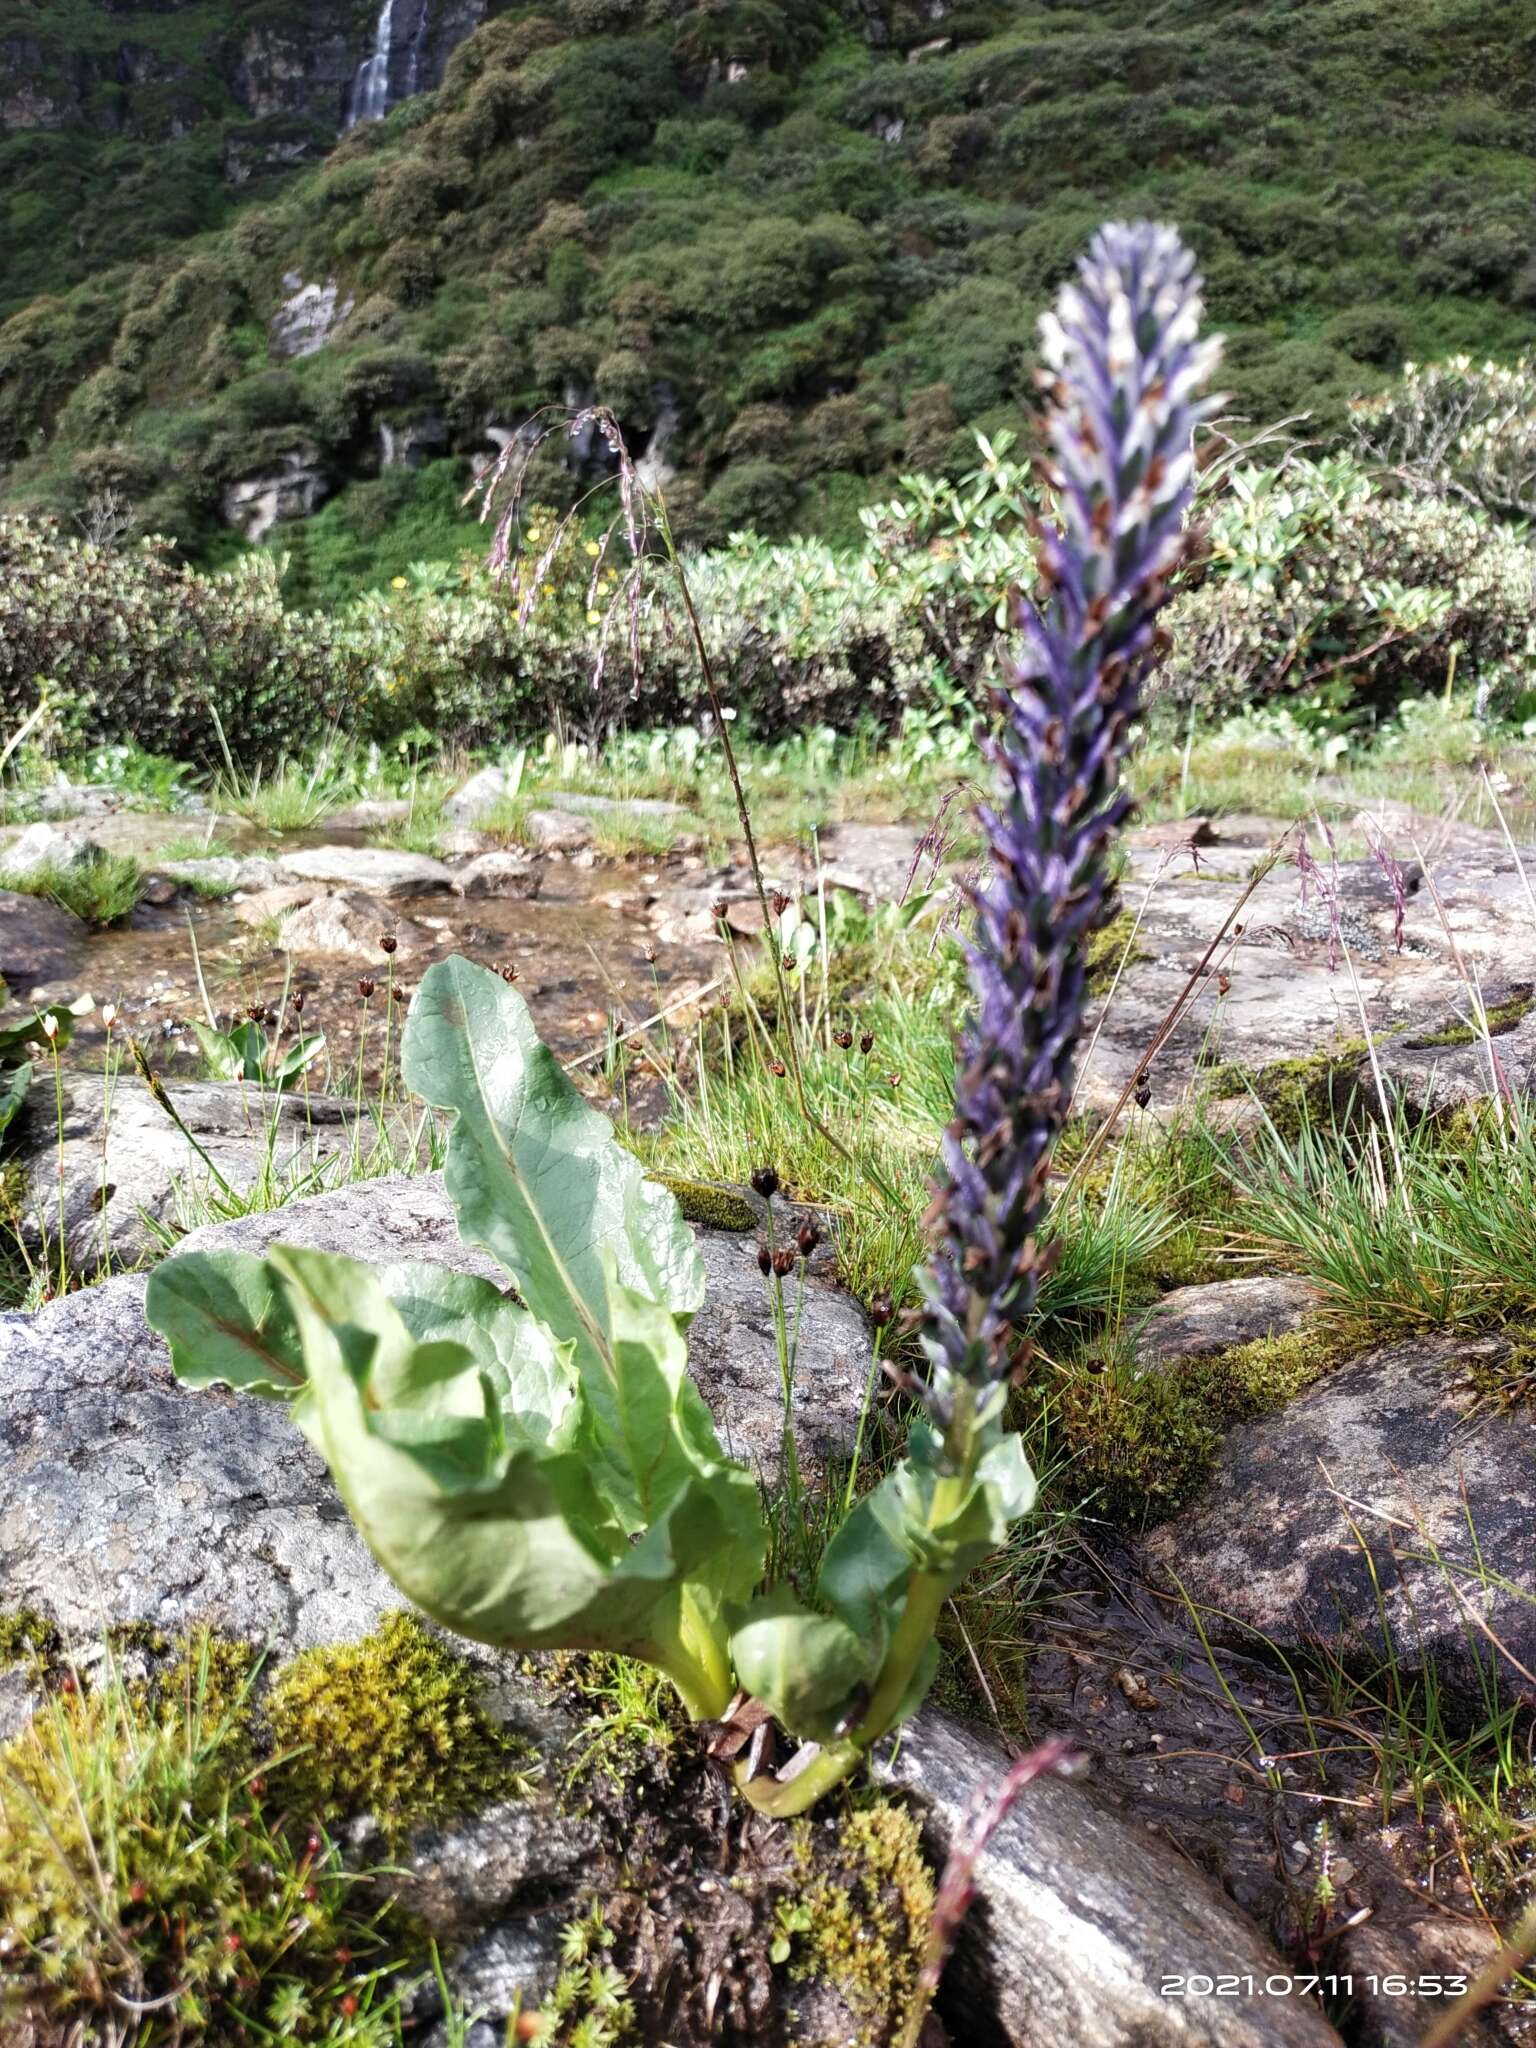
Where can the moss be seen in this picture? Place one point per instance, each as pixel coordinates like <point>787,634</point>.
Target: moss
<point>1313,1088</point>
<point>26,1637</point>
<point>718,1206</point>
<point>391,1726</point>
<point>1108,946</point>
<point>860,1920</point>
<point>1143,1444</point>
<point>144,1866</point>
<point>588,2007</point>
<point>1500,1017</point>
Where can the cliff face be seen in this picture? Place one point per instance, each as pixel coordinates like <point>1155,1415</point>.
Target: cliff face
<point>203,102</point>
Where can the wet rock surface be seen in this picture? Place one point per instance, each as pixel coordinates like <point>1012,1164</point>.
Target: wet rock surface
<point>1395,1494</point>
<point>39,941</point>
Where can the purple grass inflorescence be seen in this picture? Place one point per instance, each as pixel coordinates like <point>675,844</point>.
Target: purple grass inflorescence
<point>1125,367</point>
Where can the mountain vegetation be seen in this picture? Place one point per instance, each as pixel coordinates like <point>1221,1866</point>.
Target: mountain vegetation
<point>796,247</point>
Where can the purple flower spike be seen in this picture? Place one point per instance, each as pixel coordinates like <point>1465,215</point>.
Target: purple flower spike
<point>1124,369</point>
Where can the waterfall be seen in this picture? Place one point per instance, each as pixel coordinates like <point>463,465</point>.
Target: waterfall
<point>370,88</point>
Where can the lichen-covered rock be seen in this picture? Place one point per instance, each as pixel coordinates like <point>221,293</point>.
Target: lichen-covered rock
<point>1393,1492</point>
<point>1083,1919</point>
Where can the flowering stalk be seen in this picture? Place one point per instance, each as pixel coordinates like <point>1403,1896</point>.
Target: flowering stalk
<point>1124,366</point>
<point>1124,370</point>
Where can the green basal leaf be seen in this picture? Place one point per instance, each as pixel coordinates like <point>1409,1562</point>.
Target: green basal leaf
<point>227,1323</point>
<point>496,1534</point>
<point>535,1174</point>
<point>814,1668</point>
<point>14,1083</point>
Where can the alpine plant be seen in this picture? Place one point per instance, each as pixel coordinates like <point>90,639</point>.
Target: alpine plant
<point>1124,368</point>
<point>532,1462</point>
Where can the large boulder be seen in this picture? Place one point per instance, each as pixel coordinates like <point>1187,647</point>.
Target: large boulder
<point>1085,1923</point>
<point>350,925</point>
<point>1396,1496</point>
<point>118,1165</point>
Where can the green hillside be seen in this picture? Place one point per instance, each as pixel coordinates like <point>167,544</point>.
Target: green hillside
<point>807,244</point>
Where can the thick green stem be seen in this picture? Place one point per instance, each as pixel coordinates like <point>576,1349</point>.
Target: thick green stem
<point>697,1662</point>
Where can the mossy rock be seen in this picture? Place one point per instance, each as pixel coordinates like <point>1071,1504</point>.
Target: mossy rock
<point>716,1205</point>
<point>1314,1089</point>
<point>1501,1017</point>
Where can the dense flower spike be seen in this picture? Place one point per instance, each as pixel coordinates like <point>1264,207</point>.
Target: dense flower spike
<point>1125,367</point>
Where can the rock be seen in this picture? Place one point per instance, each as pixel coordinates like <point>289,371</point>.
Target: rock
<point>351,925</point>
<point>407,444</point>
<point>158,891</point>
<point>1427,1944</point>
<point>501,874</point>
<point>264,904</point>
<point>1170,834</point>
<point>1196,1322</point>
<point>461,839</point>
<point>557,831</point>
<point>382,870</point>
<point>149,1164</point>
<point>307,318</point>
<point>224,873</point>
<point>40,941</point>
<point>124,1496</point>
<point>1081,1916</point>
<point>48,846</point>
<point>78,800</point>
<point>291,488</point>
<point>1388,1490</point>
<point>481,794</point>
<point>874,860</point>
<point>371,812</point>
<point>1433,1079</point>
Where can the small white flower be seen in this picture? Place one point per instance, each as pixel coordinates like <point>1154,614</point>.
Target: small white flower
<point>50,1026</point>
<point>109,1014</point>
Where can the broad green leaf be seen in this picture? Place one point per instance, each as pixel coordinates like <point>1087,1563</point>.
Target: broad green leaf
<point>807,1667</point>
<point>14,1083</point>
<point>227,1320</point>
<point>535,1174</point>
<point>227,1323</point>
<point>510,1543</point>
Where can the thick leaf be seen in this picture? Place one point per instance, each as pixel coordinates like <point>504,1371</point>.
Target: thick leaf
<point>227,1322</point>
<point>535,1174</point>
<point>507,1542</point>
<point>812,1668</point>
<point>14,1083</point>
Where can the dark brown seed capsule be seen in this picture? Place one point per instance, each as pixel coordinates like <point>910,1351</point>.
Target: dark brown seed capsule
<point>843,1039</point>
<point>650,955</point>
<point>365,986</point>
<point>783,1262</point>
<point>508,973</point>
<point>296,1000</point>
<point>777,1068</point>
<point>388,943</point>
<point>867,1042</point>
<point>807,1237</point>
<point>881,1309</point>
<point>764,1260</point>
<point>780,902</point>
<point>1143,1096</point>
<point>719,910</point>
<point>765,1181</point>
<point>1223,984</point>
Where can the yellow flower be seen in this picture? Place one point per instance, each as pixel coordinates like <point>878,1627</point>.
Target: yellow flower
<point>397,583</point>
<point>549,590</point>
<point>593,549</point>
<point>594,618</point>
